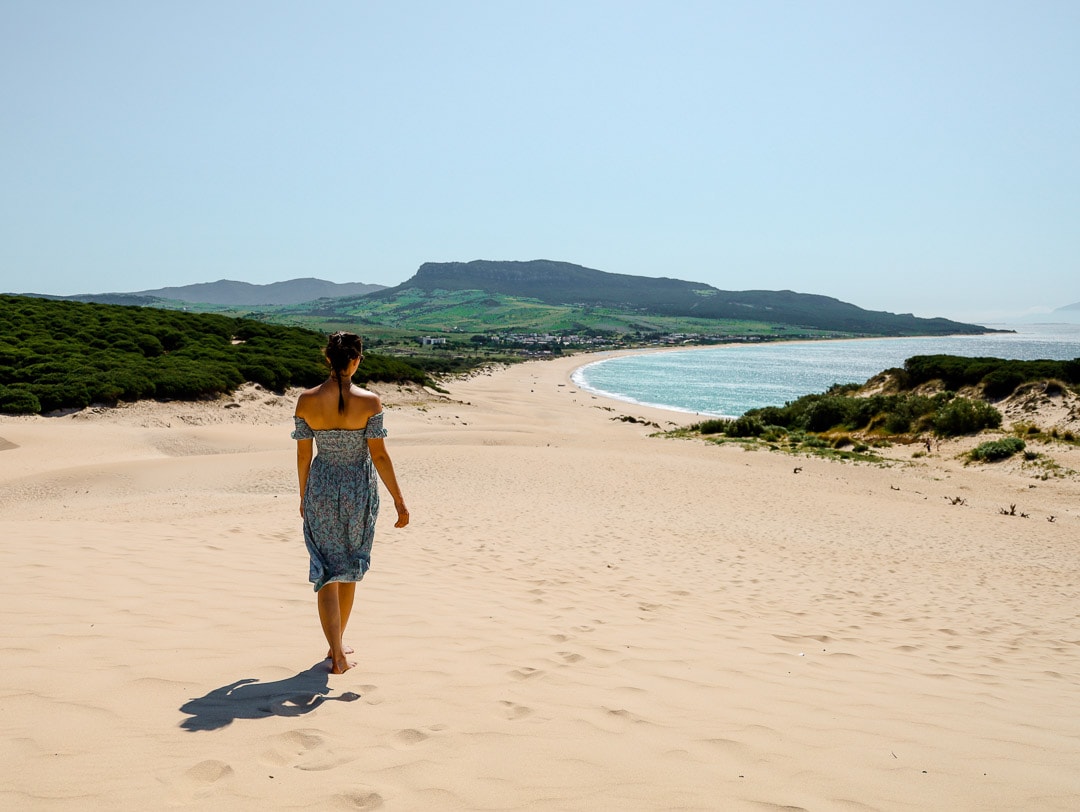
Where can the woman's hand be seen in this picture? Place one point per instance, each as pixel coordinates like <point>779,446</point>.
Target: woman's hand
<point>402,514</point>
<point>301,507</point>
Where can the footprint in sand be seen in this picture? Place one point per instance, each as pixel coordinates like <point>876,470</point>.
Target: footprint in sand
<point>622,713</point>
<point>410,736</point>
<point>200,780</point>
<point>302,749</point>
<point>361,799</point>
<point>730,746</point>
<point>570,657</point>
<point>209,772</point>
<point>512,710</point>
<point>525,673</point>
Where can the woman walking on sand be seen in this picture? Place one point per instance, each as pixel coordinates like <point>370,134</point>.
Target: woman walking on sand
<point>339,494</point>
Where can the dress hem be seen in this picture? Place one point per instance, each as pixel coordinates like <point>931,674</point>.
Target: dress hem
<point>347,578</point>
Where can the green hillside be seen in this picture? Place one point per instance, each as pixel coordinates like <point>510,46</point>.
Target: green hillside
<point>64,354</point>
<point>479,311</point>
<point>564,284</point>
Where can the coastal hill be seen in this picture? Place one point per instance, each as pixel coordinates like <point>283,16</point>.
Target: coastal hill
<point>231,293</point>
<point>1068,313</point>
<point>563,283</point>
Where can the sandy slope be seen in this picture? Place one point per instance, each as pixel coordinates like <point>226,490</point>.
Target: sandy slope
<point>580,617</point>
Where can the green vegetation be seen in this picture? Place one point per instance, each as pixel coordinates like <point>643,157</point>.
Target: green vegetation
<point>847,421</point>
<point>997,449</point>
<point>1032,432</point>
<point>64,354</point>
<point>562,283</point>
<point>842,426</point>
<point>777,439</point>
<point>997,377</point>
<point>839,409</point>
<point>496,317</point>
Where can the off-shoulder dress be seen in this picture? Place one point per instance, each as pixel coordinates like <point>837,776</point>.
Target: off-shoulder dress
<point>341,501</point>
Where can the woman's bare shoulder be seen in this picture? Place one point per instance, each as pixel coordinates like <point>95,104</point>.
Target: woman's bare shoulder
<point>371,401</point>
<point>306,399</point>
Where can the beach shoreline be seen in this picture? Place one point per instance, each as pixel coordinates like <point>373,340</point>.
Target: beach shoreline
<point>581,616</point>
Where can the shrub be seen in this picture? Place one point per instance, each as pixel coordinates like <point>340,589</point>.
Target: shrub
<point>897,423</point>
<point>122,384</point>
<point>1001,382</point>
<point>712,426</point>
<point>997,449</point>
<point>745,426</point>
<point>773,416</point>
<point>962,416</point>
<point>62,396</point>
<point>826,412</point>
<point>18,401</point>
<point>150,346</point>
<point>773,434</point>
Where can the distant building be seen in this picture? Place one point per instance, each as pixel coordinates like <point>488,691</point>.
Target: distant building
<point>428,341</point>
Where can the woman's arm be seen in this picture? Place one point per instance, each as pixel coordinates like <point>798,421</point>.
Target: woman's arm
<point>381,458</point>
<point>303,467</point>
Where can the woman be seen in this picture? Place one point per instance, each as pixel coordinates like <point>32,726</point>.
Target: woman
<point>339,495</point>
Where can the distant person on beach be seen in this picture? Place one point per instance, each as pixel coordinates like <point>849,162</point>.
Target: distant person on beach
<point>339,494</point>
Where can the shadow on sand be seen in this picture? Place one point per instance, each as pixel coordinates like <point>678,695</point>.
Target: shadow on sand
<point>251,699</point>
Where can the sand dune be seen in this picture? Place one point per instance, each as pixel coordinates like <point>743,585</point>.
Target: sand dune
<point>580,617</point>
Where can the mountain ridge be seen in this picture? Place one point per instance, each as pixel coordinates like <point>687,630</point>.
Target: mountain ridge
<point>232,293</point>
<point>554,282</point>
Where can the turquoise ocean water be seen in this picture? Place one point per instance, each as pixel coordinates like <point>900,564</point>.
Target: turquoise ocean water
<point>728,380</point>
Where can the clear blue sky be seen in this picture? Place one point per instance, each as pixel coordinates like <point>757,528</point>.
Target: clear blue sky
<point>916,157</point>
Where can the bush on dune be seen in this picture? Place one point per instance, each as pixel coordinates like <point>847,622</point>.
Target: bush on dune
<point>997,449</point>
<point>962,416</point>
<point>998,377</point>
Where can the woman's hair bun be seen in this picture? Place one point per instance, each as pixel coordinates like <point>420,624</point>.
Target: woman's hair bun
<point>341,348</point>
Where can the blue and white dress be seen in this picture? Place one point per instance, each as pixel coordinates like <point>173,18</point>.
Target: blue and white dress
<point>341,501</point>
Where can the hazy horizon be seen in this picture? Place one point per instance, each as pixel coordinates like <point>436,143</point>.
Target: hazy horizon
<point>921,159</point>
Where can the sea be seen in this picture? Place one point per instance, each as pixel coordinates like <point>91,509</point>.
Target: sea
<point>728,380</point>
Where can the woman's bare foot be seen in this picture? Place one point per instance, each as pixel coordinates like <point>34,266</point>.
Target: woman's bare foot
<point>340,666</point>
<point>346,649</point>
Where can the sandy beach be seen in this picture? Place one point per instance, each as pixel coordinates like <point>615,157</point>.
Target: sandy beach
<point>581,616</point>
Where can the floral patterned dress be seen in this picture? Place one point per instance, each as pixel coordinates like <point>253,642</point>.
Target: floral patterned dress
<point>341,501</point>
